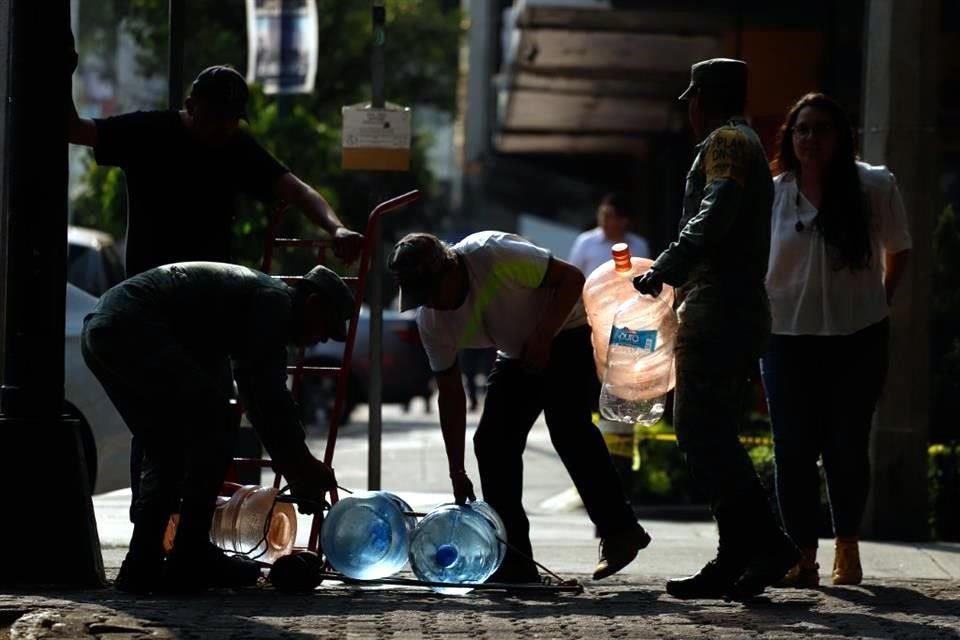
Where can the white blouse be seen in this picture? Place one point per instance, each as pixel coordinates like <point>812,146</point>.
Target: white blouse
<point>808,296</point>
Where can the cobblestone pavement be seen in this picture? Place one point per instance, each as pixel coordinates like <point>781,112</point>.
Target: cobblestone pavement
<point>912,590</point>
<point>889,609</point>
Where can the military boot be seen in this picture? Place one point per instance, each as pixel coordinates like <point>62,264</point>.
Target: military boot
<point>773,558</point>
<point>713,582</point>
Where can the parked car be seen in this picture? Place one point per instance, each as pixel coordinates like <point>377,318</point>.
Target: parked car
<point>105,436</point>
<point>93,260</point>
<point>406,371</point>
<point>93,266</point>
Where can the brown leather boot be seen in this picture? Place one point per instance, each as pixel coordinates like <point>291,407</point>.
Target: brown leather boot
<point>846,562</point>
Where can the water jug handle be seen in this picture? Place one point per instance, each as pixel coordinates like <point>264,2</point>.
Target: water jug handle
<point>227,489</point>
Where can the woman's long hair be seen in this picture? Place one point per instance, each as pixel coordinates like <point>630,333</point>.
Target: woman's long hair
<point>844,216</point>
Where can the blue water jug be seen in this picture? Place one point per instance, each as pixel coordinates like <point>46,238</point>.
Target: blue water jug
<point>367,535</point>
<point>456,543</point>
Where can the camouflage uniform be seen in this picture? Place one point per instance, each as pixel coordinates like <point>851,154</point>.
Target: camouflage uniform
<point>719,263</point>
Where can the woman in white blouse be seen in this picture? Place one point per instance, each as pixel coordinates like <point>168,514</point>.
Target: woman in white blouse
<point>839,243</point>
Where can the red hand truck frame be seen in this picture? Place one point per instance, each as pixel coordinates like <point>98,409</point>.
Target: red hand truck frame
<point>297,370</point>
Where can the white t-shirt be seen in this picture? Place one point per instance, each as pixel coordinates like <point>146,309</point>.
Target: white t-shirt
<point>591,249</point>
<point>503,305</point>
<point>808,296</point>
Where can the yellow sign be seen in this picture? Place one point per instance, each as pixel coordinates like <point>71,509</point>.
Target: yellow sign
<point>726,155</point>
<point>376,139</point>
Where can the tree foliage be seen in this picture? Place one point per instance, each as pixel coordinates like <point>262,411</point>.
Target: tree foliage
<point>302,131</point>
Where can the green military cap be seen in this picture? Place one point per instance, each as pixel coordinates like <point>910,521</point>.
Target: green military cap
<point>717,74</point>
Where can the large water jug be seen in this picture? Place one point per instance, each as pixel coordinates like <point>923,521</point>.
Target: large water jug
<point>458,544</point>
<point>252,522</point>
<point>606,288</point>
<point>640,369</point>
<point>367,535</point>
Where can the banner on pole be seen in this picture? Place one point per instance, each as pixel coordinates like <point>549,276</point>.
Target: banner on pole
<point>282,45</point>
<point>376,139</point>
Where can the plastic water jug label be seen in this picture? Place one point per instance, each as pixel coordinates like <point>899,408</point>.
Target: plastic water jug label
<point>640,339</point>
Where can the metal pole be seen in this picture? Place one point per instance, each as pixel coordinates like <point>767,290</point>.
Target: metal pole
<point>56,514</point>
<point>375,395</point>
<point>175,54</point>
<point>900,109</point>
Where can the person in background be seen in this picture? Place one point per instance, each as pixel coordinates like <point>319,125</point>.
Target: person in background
<point>719,262</point>
<point>161,344</point>
<point>474,362</point>
<point>839,244</point>
<point>592,248</point>
<point>498,290</point>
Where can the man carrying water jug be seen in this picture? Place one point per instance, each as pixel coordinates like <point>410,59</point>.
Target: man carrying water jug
<point>719,263</point>
<point>498,290</point>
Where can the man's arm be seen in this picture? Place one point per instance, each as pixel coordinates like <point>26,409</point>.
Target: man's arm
<point>261,376</point>
<point>275,418</point>
<point>81,131</point>
<point>718,210</point>
<point>725,158</point>
<point>567,283</point>
<point>453,425</point>
<point>291,189</point>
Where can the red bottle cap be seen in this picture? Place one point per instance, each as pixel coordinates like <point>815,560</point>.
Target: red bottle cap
<point>621,257</point>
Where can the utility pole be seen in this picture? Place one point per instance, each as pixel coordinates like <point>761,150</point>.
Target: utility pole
<point>49,531</point>
<point>375,392</point>
<point>177,34</point>
<point>901,101</point>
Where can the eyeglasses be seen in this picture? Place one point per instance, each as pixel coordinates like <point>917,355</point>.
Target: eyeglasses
<point>818,129</point>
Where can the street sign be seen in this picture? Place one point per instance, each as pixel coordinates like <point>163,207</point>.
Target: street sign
<point>376,139</point>
<point>282,45</point>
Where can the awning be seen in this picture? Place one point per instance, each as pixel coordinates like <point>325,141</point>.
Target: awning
<point>596,80</point>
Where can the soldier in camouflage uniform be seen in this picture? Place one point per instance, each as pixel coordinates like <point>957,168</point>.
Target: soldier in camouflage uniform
<point>719,263</point>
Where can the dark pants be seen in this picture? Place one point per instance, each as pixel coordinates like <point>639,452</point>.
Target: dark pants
<point>176,404</point>
<point>821,392</point>
<point>716,354</point>
<point>565,392</point>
